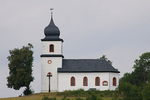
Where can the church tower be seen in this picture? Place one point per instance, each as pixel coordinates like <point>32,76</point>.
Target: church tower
<point>51,57</point>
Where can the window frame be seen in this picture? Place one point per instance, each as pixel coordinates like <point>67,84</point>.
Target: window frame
<point>96,81</point>
<point>114,81</point>
<point>71,83</point>
<point>104,82</point>
<point>85,84</point>
<point>51,48</point>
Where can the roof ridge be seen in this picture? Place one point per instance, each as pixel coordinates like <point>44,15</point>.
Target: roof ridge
<point>83,59</point>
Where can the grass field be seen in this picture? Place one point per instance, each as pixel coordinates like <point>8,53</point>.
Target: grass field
<point>59,96</point>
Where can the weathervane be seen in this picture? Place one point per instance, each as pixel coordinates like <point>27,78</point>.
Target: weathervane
<point>51,10</point>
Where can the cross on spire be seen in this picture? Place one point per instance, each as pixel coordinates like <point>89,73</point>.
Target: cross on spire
<point>52,10</point>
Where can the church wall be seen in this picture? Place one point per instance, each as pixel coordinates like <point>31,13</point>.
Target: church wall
<point>57,47</point>
<point>50,67</point>
<point>112,75</point>
<point>64,81</point>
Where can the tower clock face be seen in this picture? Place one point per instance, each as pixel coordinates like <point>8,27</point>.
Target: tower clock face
<point>49,61</point>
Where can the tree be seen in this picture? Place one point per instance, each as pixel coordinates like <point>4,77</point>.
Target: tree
<point>130,92</point>
<point>146,92</point>
<point>136,84</point>
<point>126,78</point>
<point>104,57</point>
<point>140,75</point>
<point>142,69</point>
<point>20,66</point>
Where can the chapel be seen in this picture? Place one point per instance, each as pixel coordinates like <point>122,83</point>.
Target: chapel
<point>59,74</point>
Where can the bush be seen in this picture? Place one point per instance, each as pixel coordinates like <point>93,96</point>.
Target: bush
<point>101,95</point>
<point>88,93</point>
<point>28,91</point>
<point>93,97</point>
<point>130,92</point>
<point>76,93</point>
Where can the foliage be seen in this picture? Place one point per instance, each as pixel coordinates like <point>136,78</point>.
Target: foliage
<point>116,95</point>
<point>65,98</point>
<point>146,92</point>
<point>134,85</point>
<point>130,92</point>
<point>20,66</point>
<point>79,92</point>
<point>141,69</point>
<point>78,98</point>
<point>47,98</point>
<point>28,91</point>
<point>82,93</point>
<point>126,78</point>
<point>93,97</point>
<point>104,57</point>
<point>141,73</point>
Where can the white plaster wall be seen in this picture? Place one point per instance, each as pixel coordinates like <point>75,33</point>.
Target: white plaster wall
<point>112,75</point>
<point>64,81</point>
<point>45,68</point>
<point>57,47</point>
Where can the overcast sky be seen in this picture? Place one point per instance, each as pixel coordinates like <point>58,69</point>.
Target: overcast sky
<point>119,29</point>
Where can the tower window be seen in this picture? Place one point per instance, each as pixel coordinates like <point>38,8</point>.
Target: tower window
<point>72,81</point>
<point>85,81</point>
<point>51,48</point>
<point>97,81</point>
<point>114,81</point>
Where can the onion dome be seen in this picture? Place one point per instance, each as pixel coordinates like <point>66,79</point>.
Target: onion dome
<point>51,32</point>
<point>51,29</point>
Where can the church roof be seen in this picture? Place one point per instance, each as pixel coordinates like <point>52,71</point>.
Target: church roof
<point>86,65</point>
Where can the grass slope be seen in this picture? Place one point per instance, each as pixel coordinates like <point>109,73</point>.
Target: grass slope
<point>59,95</point>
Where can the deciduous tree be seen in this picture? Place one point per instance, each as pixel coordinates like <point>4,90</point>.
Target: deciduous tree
<point>141,69</point>
<point>20,66</point>
<point>136,84</point>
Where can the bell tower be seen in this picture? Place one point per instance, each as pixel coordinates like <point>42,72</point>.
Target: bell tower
<point>51,57</point>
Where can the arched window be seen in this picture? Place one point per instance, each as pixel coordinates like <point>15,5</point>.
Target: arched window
<point>114,81</point>
<point>72,81</point>
<point>105,83</point>
<point>51,48</point>
<point>97,81</point>
<point>85,81</point>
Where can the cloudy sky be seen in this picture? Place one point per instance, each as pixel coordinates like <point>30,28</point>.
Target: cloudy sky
<point>119,29</point>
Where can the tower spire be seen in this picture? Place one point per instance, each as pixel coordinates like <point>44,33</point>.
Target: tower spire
<point>52,31</point>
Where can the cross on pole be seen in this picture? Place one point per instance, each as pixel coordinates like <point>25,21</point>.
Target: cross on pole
<point>49,74</point>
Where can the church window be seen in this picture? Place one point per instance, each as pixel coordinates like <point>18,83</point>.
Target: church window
<point>85,81</point>
<point>114,81</point>
<point>49,61</point>
<point>51,48</point>
<point>105,83</point>
<point>72,83</point>
<point>97,81</point>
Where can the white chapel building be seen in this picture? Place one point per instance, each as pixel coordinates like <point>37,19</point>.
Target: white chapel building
<point>72,74</point>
